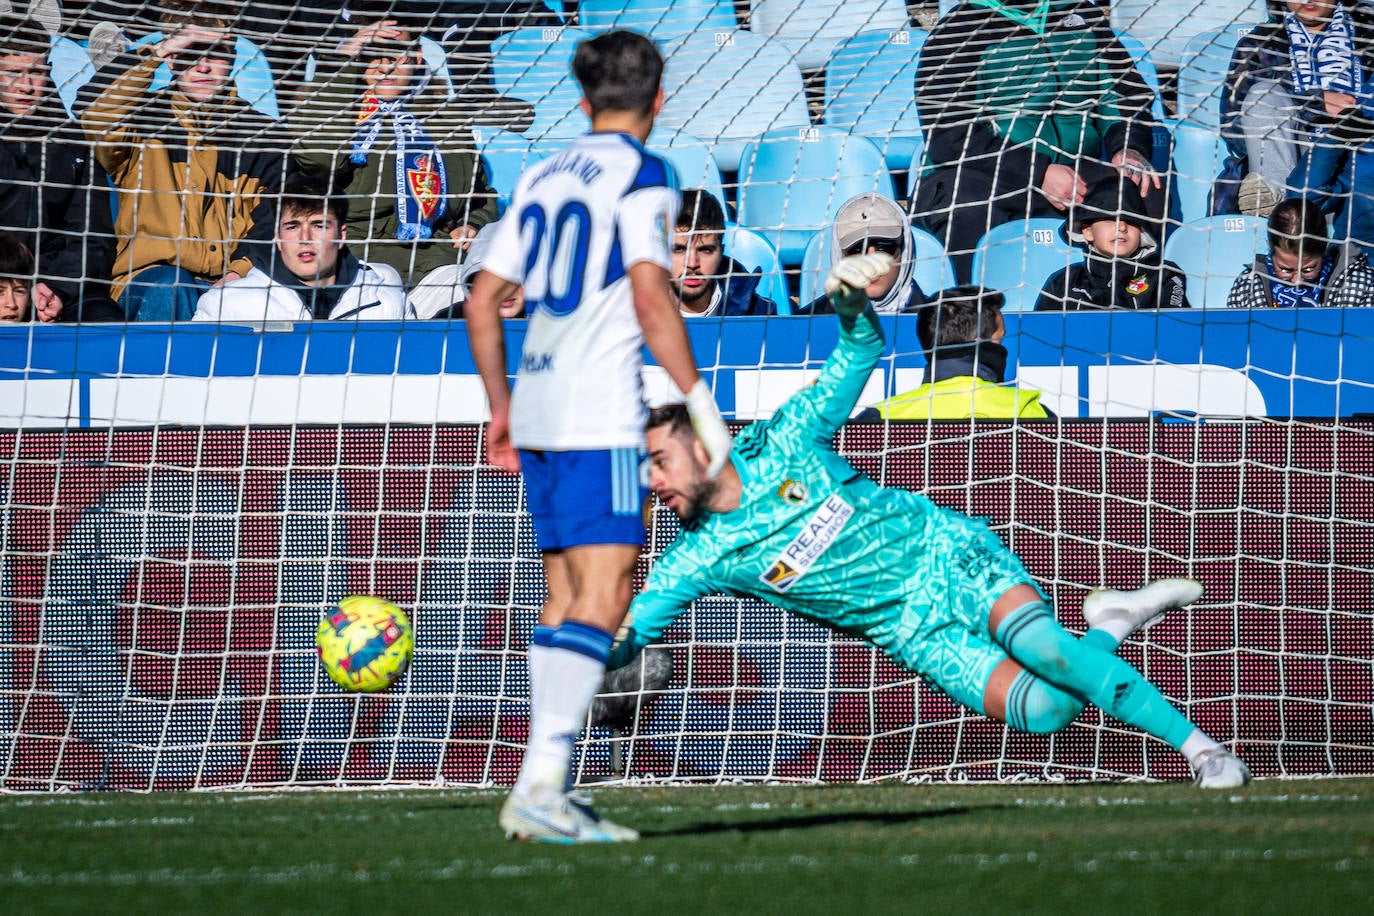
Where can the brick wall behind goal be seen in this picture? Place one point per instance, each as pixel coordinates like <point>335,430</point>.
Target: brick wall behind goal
<point>163,586</point>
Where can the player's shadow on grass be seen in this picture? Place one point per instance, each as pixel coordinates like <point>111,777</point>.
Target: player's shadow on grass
<point>783,822</point>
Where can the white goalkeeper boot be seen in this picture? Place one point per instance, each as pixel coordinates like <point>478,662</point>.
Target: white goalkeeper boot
<point>1220,769</point>
<point>548,815</point>
<point>1123,613</point>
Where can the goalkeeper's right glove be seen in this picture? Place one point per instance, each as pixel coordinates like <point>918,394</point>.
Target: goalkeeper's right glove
<point>845,286</point>
<point>708,425</point>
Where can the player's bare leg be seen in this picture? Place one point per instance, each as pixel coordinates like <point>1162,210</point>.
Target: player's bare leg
<point>1085,669</point>
<point>568,674</point>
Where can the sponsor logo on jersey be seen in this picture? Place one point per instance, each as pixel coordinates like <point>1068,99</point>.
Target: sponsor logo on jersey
<point>1139,285</point>
<point>793,491</point>
<point>815,537</point>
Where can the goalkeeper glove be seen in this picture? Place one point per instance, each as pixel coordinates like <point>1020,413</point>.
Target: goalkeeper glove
<point>709,427</point>
<point>845,286</point>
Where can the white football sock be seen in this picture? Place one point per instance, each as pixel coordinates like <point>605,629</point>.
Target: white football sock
<point>568,683</point>
<point>1195,744</point>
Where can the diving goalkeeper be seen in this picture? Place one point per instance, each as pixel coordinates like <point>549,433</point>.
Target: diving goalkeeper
<point>791,522</point>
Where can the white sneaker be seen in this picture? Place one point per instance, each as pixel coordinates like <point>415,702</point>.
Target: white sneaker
<point>1220,769</point>
<point>551,816</point>
<point>1123,613</point>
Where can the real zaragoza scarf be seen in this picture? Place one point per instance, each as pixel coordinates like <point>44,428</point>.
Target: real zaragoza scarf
<point>1289,297</point>
<point>1324,60</point>
<point>421,179</point>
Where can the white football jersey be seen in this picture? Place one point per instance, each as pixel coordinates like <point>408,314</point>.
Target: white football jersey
<point>576,222</point>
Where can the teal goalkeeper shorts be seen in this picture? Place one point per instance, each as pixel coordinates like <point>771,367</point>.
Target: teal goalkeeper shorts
<point>964,568</point>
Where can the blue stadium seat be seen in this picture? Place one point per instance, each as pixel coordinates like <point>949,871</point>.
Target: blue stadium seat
<point>754,253</point>
<point>1146,65</point>
<point>1199,152</point>
<point>251,73</point>
<point>812,28</point>
<point>1202,74</point>
<point>1213,251</point>
<point>436,61</point>
<point>1166,26</point>
<point>933,270</point>
<point>870,89</point>
<point>534,64</point>
<point>693,159</point>
<point>70,68</point>
<point>1018,257</point>
<point>504,156</point>
<point>728,86</point>
<point>661,19</point>
<point>793,181</point>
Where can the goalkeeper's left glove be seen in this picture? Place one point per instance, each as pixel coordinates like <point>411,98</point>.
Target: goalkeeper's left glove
<point>708,425</point>
<point>845,286</point>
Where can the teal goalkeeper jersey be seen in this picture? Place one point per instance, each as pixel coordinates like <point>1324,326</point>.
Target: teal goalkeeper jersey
<point>812,535</point>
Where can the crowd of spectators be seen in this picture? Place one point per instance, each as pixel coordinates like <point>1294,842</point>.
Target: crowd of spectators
<point>162,195</point>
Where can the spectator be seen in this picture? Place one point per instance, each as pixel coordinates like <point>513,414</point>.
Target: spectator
<point>961,333</point>
<point>1303,268</point>
<point>1025,106</point>
<point>191,166</point>
<point>464,273</point>
<point>312,275</point>
<point>53,194</point>
<point>868,223</point>
<point>417,216</point>
<point>1289,76</point>
<point>707,281</point>
<point>16,275</point>
<point>1125,267</point>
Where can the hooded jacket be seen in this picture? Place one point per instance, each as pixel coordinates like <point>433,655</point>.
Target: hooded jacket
<point>192,179</point>
<point>55,198</point>
<point>1143,281</point>
<point>369,292</point>
<point>906,295</point>
<point>324,123</point>
<point>738,294</point>
<point>962,383</point>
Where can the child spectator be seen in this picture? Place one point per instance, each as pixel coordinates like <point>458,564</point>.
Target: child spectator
<point>869,223</point>
<point>1125,267</point>
<point>381,126</point>
<point>16,274</point>
<point>191,163</point>
<point>961,334</point>
<point>312,275</point>
<point>1302,267</point>
<point>707,281</point>
<point>53,194</point>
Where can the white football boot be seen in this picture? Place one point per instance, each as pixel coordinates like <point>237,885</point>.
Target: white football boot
<point>1123,613</point>
<point>546,815</point>
<point>1220,769</point>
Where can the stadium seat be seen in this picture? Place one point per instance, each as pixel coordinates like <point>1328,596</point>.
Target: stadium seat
<point>1146,65</point>
<point>70,68</point>
<point>1018,257</point>
<point>436,61</point>
<point>504,156</point>
<point>870,89</point>
<point>662,19</point>
<point>933,270</point>
<point>251,73</point>
<point>1202,74</point>
<point>535,64</point>
<point>693,159</point>
<point>1213,251</point>
<point>793,181</point>
<point>812,28</point>
<point>1199,152</point>
<point>755,253</point>
<point>728,86</point>
<point>1165,26</point>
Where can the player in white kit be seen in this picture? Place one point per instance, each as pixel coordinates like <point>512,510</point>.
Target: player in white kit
<point>588,236</point>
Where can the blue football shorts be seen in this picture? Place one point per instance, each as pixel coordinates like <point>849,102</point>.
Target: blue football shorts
<point>963,570</point>
<point>590,497</point>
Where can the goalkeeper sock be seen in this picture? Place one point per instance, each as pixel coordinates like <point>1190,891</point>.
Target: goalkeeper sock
<point>1037,706</point>
<point>569,678</point>
<point>1032,636</point>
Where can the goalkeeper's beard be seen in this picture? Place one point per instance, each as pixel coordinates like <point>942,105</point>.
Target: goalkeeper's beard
<point>693,499</point>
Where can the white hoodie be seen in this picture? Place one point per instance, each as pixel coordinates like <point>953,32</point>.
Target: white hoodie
<point>376,293</point>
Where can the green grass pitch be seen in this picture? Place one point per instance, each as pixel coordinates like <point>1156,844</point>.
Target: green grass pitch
<point>1273,847</point>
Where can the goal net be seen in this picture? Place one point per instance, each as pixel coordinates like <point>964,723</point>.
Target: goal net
<point>183,502</point>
